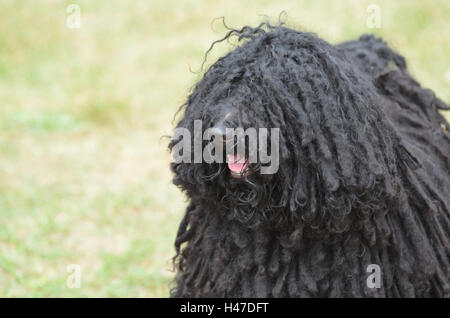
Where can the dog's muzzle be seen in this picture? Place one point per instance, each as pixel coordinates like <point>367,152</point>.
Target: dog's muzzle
<point>238,164</point>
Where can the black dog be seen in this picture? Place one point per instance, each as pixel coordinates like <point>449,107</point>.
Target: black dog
<point>363,175</point>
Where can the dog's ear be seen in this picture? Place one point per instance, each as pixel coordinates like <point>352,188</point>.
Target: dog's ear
<point>184,177</point>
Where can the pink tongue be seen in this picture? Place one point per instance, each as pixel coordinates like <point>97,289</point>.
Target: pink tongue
<point>236,164</point>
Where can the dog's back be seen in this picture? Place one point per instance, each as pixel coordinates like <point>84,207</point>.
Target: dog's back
<point>413,110</point>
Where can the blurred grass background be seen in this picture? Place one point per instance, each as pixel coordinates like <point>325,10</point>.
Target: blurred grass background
<point>84,173</point>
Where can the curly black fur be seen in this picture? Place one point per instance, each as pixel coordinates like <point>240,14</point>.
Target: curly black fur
<point>363,178</point>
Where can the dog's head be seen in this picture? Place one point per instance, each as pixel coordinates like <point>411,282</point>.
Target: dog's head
<point>318,125</point>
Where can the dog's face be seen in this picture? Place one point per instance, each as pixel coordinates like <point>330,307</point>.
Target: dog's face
<point>245,175</point>
<point>318,131</point>
<point>234,143</point>
<point>240,148</point>
<point>237,163</point>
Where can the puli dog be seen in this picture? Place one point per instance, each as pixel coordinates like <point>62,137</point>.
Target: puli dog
<point>363,177</point>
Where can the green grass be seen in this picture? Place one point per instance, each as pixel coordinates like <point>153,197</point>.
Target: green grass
<point>84,173</point>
